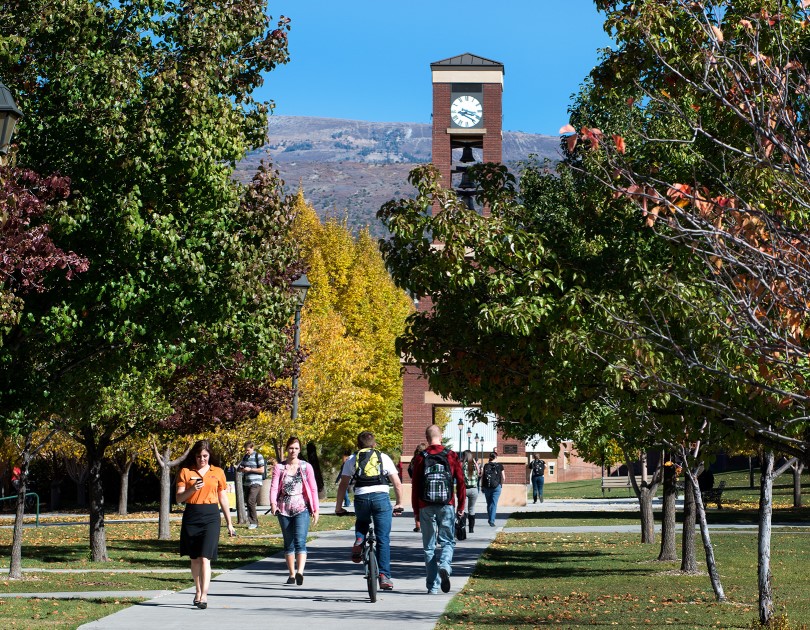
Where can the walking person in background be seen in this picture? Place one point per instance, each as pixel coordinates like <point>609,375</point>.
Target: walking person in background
<point>472,473</point>
<point>537,468</point>
<point>434,471</point>
<point>419,449</point>
<point>252,468</point>
<point>201,486</point>
<point>492,482</point>
<point>294,499</point>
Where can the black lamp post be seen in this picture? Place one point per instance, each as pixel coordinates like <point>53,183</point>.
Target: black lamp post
<point>476,446</point>
<point>301,286</point>
<point>9,115</point>
<point>469,433</point>
<point>460,427</point>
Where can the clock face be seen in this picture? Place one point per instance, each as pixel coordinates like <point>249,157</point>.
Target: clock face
<point>466,111</point>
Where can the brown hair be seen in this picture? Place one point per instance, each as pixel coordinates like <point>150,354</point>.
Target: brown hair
<point>292,440</point>
<point>366,439</point>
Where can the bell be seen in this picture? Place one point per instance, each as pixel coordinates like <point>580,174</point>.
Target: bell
<point>467,155</point>
<point>466,181</point>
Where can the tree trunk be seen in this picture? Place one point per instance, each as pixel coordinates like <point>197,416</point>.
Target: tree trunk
<point>241,508</point>
<point>123,494</point>
<point>15,563</point>
<point>165,463</point>
<point>711,565</point>
<point>645,494</point>
<point>798,468</point>
<point>764,543</point>
<point>645,498</point>
<point>56,495</point>
<point>751,472</point>
<point>28,453</point>
<point>688,557</point>
<point>668,551</point>
<point>98,535</point>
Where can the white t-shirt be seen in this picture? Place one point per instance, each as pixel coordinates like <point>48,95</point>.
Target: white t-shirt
<point>388,469</point>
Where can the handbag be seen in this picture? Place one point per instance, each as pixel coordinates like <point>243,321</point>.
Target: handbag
<point>461,527</point>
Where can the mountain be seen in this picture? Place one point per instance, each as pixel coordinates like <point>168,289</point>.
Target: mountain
<point>349,168</point>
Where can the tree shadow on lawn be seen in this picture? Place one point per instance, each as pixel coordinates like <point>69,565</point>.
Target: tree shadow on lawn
<point>725,516</point>
<point>500,563</point>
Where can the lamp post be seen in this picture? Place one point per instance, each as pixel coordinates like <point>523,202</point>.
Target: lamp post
<point>9,115</point>
<point>476,446</point>
<point>301,286</point>
<point>469,433</point>
<point>460,427</point>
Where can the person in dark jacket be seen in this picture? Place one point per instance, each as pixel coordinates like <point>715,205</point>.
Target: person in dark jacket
<point>437,520</point>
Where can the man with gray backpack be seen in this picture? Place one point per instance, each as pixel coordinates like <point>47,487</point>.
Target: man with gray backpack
<point>435,470</point>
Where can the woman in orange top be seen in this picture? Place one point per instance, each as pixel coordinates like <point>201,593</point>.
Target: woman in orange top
<point>201,487</point>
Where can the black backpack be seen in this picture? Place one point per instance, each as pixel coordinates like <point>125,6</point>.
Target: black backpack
<point>437,479</point>
<point>492,477</point>
<point>368,468</point>
<point>538,467</point>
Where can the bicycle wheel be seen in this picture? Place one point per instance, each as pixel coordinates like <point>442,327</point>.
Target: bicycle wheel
<point>372,575</point>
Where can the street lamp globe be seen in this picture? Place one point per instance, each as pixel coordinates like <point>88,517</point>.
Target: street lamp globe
<point>301,286</point>
<point>9,115</point>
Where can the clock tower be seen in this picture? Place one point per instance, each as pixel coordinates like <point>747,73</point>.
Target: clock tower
<point>467,128</point>
<point>467,114</point>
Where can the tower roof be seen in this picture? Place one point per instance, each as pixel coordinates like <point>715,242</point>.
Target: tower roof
<point>467,61</point>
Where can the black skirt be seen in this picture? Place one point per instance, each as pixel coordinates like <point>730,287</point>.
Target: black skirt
<point>199,532</point>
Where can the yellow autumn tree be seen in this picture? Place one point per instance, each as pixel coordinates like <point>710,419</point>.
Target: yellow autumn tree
<point>353,314</point>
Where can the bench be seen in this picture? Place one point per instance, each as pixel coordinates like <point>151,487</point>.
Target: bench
<point>714,495</point>
<point>621,481</point>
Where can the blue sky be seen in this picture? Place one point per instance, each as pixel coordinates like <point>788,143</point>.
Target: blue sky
<point>370,60</point>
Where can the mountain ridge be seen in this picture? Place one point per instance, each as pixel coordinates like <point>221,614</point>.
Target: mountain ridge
<point>349,168</point>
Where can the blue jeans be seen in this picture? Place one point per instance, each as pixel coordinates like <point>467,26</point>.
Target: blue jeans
<point>492,495</point>
<point>375,506</point>
<point>438,524</point>
<point>294,529</point>
<point>537,486</point>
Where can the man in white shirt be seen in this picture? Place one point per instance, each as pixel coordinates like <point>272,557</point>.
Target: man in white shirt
<point>371,471</point>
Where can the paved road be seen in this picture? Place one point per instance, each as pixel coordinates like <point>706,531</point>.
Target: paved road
<point>333,594</point>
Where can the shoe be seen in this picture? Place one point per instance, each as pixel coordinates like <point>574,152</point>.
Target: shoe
<point>535,501</point>
<point>432,591</point>
<point>417,529</point>
<point>299,579</point>
<point>202,605</point>
<point>445,577</point>
<point>252,526</point>
<point>541,499</point>
<point>385,583</point>
<point>290,580</point>
<point>357,550</point>
<point>196,601</point>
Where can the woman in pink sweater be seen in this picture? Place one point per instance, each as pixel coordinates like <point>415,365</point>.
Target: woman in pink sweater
<point>294,499</point>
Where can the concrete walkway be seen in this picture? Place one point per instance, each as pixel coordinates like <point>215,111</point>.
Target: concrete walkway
<point>333,594</point>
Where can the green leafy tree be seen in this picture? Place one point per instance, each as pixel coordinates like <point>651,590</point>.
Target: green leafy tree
<point>146,107</point>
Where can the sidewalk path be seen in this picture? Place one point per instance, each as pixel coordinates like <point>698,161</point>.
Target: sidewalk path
<point>333,595</point>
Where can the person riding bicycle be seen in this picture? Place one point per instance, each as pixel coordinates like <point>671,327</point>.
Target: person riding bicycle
<point>371,471</point>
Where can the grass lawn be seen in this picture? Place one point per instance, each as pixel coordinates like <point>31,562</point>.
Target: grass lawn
<point>56,614</point>
<point>578,581</point>
<point>131,546</point>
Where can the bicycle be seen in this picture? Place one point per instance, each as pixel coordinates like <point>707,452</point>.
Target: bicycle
<point>371,570</point>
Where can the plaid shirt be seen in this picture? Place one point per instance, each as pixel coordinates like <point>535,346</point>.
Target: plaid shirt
<point>417,478</point>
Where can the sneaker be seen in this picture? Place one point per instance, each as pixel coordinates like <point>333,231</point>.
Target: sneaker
<point>445,577</point>
<point>357,550</point>
<point>252,526</point>
<point>385,583</point>
<point>417,529</point>
<point>541,499</point>
<point>432,591</point>
<point>491,524</point>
